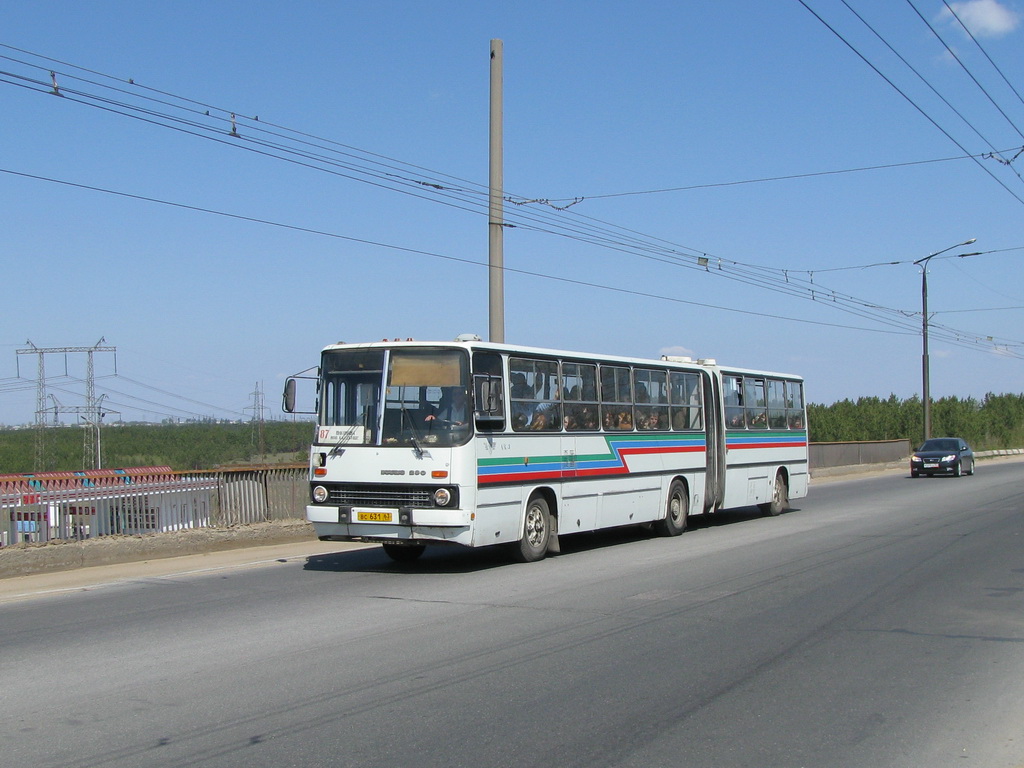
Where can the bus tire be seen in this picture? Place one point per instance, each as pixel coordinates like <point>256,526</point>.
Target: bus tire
<point>404,553</point>
<point>533,545</point>
<point>780,497</point>
<point>676,513</point>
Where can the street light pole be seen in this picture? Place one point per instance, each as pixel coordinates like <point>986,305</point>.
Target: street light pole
<point>926,395</point>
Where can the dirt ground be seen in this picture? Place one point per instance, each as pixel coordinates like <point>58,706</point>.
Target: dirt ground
<point>48,557</point>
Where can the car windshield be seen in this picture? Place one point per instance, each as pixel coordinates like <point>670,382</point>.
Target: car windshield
<point>940,445</point>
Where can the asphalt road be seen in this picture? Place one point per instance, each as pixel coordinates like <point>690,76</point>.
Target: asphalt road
<point>879,624</point>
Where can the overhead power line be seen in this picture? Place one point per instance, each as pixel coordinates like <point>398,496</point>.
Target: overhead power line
<point>964,67</point>
<point>388,173</point>
<point>898,322</point>
<point>995,66</point>
<point>909,100</point>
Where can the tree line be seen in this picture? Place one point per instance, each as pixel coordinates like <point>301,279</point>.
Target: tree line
<point>179,446</point>
<point>995,421</point>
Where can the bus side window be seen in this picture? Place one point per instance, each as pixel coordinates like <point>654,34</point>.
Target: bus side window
<point>732,392</point>
<point>488,391</point>
<point>616,399</point>
<point>535,395</point>
<point>795,404</point>
<point>685,400</point>
<point>753,395</point>
<point>651,389</point>
<point>579,399</point>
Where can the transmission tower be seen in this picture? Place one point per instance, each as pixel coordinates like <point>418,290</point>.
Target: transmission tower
<point>91,421</point>
<point>258,420</point>
<point>91,411</point>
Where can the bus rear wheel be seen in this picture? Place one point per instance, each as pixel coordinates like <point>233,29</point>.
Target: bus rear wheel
<point>780,497</point>
<point>533,545</point>
<point>677,512</point>
<point>404,553</point>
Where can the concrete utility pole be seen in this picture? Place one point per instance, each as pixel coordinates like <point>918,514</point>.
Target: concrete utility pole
<point>926,389</point>
<point>496,223</point>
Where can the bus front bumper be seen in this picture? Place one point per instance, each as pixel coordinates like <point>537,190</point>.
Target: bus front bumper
<point>402,524</point>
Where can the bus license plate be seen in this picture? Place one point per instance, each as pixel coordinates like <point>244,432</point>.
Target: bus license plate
<point>373,517</point>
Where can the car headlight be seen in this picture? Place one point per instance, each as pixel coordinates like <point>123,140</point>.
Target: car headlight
<point>320,494</point>
<point>916,459</point>
<point>951,457</point>
<point>442,497</point>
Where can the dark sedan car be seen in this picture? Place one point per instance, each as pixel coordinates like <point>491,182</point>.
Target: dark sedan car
<point>941,456</point>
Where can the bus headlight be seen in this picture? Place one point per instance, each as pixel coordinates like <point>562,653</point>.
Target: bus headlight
<point>320,494</point>
<point>442,497</point>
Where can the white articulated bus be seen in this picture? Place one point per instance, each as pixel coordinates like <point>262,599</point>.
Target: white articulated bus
<point>473,443</point>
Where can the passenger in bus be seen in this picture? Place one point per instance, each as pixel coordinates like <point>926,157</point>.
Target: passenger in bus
<point>757,418</point>
<point>540,422</point>
<point>679,418</point>
<point>520,391</point>
<point>587,418</point>
<point>547,414</point>
<point>649,421</point>
<point>451,408</point>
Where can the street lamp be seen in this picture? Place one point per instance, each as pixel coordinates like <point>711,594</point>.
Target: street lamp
<point>926,384</point>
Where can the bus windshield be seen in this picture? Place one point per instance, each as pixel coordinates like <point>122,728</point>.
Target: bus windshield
<point>419,399</point>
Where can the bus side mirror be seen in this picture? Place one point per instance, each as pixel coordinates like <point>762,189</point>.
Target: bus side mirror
<point>288,399</point>
<point>490,411</point>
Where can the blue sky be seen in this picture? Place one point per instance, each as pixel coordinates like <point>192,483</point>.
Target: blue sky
<point>732,130</point>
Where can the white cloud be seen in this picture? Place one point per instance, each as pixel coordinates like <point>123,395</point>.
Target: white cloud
<point>985,18</point>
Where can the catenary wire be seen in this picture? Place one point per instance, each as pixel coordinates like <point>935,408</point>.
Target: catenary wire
<point>783,284</point>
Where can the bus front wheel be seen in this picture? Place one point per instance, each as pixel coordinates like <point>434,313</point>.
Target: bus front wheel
<point>674,522</point>
<point>533,545</point>
<point>780,497</point>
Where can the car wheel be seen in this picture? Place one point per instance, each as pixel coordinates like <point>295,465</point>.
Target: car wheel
<point>958,469</point>
<point>780,498</point>
<point>914,473</point>
<point>674,522</point>
<point>971,472</point>
<point>536,534</point>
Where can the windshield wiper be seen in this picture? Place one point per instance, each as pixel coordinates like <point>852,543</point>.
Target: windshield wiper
<point>412,431</point>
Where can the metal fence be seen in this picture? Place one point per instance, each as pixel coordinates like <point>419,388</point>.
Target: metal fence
<point>257,494</point>
<point>81,505</point>
<point>823,455</point>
